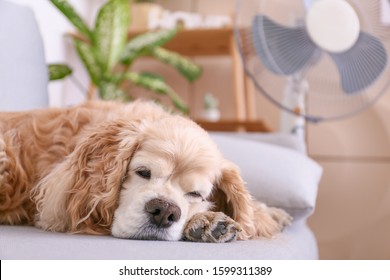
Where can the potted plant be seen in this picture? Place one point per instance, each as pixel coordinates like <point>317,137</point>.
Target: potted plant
<point>108,55</point>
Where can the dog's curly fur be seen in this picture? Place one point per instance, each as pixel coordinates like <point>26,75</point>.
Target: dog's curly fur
<point>78,170</point>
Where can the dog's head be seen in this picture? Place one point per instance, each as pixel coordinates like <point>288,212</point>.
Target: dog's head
<point>169,178</point>
<point>140,179</point>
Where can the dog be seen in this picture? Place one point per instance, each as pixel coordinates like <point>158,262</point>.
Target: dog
<point>132,171</point>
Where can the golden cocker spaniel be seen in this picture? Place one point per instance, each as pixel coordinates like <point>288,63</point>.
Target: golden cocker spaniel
<point>132,171</point>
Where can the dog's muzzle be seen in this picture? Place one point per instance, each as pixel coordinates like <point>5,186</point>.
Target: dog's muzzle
<point>162,213</point>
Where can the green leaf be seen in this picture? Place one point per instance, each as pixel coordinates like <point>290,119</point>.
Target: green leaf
<point>152,75</point>
<point>186,67</point>
<point>157,85</point>
<point>142,44</point>
<point>68,11</point>
<point>87,55</point>
<point>111,31</point>
<point>58,71</point>
<point>109,90</point>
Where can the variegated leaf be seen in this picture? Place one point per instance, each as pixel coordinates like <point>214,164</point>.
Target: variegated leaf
<point>111,31</point>
<point>58,71</point>
<point>87,55</point>
<point>157,85</point>
<point>67,10</point>
<point>185,66</point>
<point>142,44</point>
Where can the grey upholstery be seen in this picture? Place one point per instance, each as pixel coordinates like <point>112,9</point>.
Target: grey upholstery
<point>296,242</point>
<point>23,74</point>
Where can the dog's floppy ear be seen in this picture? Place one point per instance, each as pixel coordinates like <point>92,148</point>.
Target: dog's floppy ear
<point>81,193</point>
<point>231,197</point>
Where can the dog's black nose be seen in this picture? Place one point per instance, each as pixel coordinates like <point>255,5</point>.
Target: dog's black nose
<point>163,213</point>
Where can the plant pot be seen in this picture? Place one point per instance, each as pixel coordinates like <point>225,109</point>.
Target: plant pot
<point>140,14</point>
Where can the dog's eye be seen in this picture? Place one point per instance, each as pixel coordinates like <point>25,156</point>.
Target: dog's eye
<point>144,173</point>
<point>194,194</point>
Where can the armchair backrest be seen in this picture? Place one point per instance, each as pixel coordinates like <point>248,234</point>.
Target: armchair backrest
<point>23,72</point>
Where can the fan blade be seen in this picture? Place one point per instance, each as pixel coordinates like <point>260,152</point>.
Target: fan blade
<point>362,65</point>
<point>308,3</point>
<point>283,50</point>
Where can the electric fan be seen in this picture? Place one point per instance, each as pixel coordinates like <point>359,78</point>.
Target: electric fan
<point>317,59</point>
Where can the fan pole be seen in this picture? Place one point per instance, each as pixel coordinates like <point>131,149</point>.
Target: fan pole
<point>294,98</point>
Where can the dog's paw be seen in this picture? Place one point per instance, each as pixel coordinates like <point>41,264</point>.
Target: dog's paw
<point>280,216</point>
<point>213,227</point>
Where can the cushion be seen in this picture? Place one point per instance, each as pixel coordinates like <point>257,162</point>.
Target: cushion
<point>287,140</point>
<point>24,242</point>
<point>278,176</point>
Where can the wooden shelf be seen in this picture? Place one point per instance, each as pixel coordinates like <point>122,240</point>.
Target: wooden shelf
<point>234,125</point>
<point>199,42</point>
<point>216,42</point>
<point>220,42</point>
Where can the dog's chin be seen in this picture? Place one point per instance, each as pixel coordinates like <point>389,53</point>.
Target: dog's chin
<point>152,232</point>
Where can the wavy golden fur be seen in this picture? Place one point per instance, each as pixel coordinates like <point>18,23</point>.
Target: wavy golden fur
<point>93,168</point>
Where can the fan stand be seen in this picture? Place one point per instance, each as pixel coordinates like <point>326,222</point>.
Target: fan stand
<point>292,121</point>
